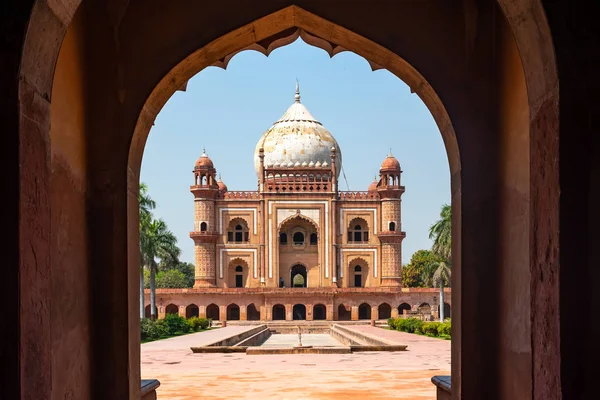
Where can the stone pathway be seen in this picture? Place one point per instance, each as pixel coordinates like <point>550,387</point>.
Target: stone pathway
<point>377,375</point>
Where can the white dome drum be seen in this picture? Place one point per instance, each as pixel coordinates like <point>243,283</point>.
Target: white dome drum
<point>297,139</point>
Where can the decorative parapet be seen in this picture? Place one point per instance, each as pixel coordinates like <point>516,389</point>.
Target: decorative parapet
<point>391,237</point>
<point>358,196</point>
<point>240,195</point>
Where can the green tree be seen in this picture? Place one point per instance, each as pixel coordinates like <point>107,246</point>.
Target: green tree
<point>186,268</point>
<point>441,233</point>
<point>170,279</point>
<point>157,242</point>
<point>413,273</point>
<point>146,204</point>
<point>438,273</point>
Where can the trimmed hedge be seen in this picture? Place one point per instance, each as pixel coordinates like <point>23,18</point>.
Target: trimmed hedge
<point>171,325</point>
<point>415,325</point>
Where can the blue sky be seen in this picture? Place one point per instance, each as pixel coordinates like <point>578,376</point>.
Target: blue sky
<point>227,111</point>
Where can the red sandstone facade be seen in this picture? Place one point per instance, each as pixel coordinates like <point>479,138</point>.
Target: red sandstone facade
<point>297,248</point>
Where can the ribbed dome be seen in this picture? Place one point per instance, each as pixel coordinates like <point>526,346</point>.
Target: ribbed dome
<point>204,161</point>
<point>373,186</point>
<point>297,138</point>
<point>390,163</point>
<point>222,186</point>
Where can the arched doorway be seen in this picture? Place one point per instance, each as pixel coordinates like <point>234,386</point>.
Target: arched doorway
<point>171,309</point>
<point>425,309</point>
<point>233,312</point>
<point>385,311</point>
<point>192,311</point>
<point>358,276</point>
<point>364,311</point>
<point>212,312</point>
<point>252,313</point>
<point>147,311</point>
<point>239,276</point>
<point>319,312</point>
<point>344,313</point>
<point>299,312</point>
<point>298,276</point>
<point>278,312</point>
<point>402,307</point>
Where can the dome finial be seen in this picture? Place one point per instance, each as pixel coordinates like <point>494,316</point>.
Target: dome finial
<point>390,155</point>
<point>203,150</point>
<point>297,95</point>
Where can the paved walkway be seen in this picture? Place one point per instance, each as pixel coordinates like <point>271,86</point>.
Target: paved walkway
<point>377,375</point>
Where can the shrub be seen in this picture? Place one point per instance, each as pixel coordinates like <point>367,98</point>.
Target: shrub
<point>431,328</point>
<point>392,323</point>
<point>162,327</point>
<point>174,323</point>
<point>413,325</point>
<point>197,324</point>
<point>148,329</point>
<point>445,328</point>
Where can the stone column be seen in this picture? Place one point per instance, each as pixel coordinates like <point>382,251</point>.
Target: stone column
<point>161,312</point>
<point>331,312</point>
<point>394,312</point>
<point>182,311</point>
<point>243,313</point>
<point>354,313</point>
<point>202,311</point>
<point>374,313</point>
<point>289,312</point>
<point>309,312</point>
<point>222,313</point>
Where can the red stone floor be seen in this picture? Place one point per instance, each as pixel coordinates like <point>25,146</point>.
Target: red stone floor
<point>370,375</point>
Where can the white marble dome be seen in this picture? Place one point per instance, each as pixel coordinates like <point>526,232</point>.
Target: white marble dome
<point>297,138</point>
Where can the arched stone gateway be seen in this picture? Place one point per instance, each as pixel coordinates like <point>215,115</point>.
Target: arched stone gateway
<point>385,311</point>
<point>319,312</point>
<point>147,311</point>
<point>344,313</point>
<point>213,312</point>
<point>171,309</point>
<point>278,312</point>
<point>233,312</point>
<point>299,312</point>
<point>511,60</point>
<point>192,311</point>
<point>364,311</point>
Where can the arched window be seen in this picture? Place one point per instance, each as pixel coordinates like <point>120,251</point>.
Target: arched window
<point>358,276</point>
<point>283,238</point>
<point>203,227</point>
<point>298,238</point>
<point>358,231</point>
<point>239,276</point>
<point>392,226</point>
<point>238,231</point>
<point>313,238</point>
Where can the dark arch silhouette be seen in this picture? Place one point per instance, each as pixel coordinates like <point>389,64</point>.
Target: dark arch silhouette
<point>344,314</point>
<point>147,311</point>
<point>402,307</point>
<point>447,310</point>
<point>278,312</point>
<point>192,311</point>
<point>171,309</point>
<point>319,312</point>
<point>233,312</point>
<point>299,312</point>
<point>213,312</point>
<point>384,311</point>
<point>364,311</point>
<point>252,313</point>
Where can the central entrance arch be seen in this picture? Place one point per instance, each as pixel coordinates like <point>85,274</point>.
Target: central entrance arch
<point>298,276</point>
<point>299,312</point>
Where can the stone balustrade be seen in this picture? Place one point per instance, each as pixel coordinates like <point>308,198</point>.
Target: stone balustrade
<point>358,196</point>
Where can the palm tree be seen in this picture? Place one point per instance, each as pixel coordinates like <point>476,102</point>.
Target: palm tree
<point>146,204</point>
<point>438,273</point>
<point>157,242</point>
<point>441,233</point>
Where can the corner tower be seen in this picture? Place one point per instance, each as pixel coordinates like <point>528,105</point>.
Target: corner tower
<point>205,234</point>
<point>391,235</point>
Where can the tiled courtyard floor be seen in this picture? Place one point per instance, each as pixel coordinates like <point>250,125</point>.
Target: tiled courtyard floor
<point>376,375</point>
